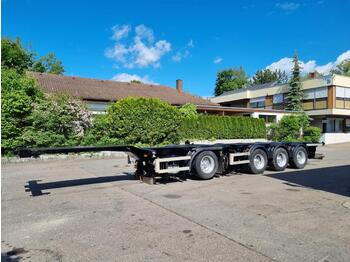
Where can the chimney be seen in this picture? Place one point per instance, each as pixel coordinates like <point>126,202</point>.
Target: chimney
<point>179,85</point>
<point>313,75</point>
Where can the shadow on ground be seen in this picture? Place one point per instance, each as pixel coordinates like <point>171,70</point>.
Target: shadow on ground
<point>331,179</point>
<point>36,188</point>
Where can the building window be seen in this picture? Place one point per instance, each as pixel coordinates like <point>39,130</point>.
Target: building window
<point>258,102</point>
<point>97,107</point>
<point>268,118</point>
<point>278,101</point>
<point>343,97</point>
<point>315,98</point>
<point>335,125</point>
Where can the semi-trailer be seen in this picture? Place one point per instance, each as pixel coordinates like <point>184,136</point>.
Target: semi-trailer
<point>202,160</point>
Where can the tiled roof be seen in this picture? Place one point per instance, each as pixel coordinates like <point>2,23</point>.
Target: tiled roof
<point>107,90</point>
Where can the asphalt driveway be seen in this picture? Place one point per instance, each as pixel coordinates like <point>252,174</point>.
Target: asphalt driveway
<point>94,210</point>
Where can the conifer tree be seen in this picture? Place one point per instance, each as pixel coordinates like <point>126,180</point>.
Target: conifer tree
<point>296,94</point>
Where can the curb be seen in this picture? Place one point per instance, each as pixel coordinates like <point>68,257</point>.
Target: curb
<point>99,155</point>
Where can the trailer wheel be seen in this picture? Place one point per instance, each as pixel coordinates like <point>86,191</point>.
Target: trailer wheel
<point>279,160</point>
<point>299,158</point>
<point>257,161</point>
<point>206,164</point>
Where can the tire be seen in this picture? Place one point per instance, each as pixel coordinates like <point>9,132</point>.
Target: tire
<point>299,159</point>
<point>206,165</point>
<point>280,159</point>
<point>257,162</point>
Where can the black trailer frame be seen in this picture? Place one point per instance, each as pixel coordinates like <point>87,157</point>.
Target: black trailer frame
<point>202,160</point>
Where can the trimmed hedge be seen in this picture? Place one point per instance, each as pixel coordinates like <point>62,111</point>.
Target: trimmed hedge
<point>143,121</point>
<point>222,127</point>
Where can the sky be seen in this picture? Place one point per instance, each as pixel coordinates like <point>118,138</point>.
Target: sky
<point>161,41</point>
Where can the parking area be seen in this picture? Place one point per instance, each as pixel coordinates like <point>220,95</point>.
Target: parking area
<point>94,210</point>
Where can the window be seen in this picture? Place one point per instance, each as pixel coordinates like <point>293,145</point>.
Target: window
<point>268,118</point>
<point>315,98</point>
<point>97,107</point>
<point>258,102</point>
<point>343,97</point>
<point>278,101</point>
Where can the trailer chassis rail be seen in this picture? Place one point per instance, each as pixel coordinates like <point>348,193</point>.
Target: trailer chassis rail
<point>204,161</point>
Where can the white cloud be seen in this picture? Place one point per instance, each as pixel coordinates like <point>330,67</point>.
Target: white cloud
<point>287,6</point>
<point>120,31</point>
<point>140,51</point>
<point>180,55</point>
<point>183,53</point>
<point>286,64</point>
<point>217,60</point>
<point>190,44</point>
<point>124,77</point>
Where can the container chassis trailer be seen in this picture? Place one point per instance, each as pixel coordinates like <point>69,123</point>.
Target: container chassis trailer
<point>202,160</point>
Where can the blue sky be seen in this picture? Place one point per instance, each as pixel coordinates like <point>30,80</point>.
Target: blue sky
<point>161,41</point>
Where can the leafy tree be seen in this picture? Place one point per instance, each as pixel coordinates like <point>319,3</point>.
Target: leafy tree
<point>59,120</point>
<point>267,76</point>
<point>13,55</point>
<point>18,95</point>
<point>48,64</point>
<point>343,68</point>
<point>230,79</point>
<point>189,111</point>
<point>294,128</point>
<point>296,94</point>
<point>135,81</point>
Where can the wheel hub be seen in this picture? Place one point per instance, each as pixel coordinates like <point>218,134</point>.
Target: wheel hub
<point>301,158</point>
<point>207,164</point>
<point>259,161</point>
<point>281,159</point>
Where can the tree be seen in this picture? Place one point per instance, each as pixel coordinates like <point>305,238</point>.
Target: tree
<point>343,68</point>
<point>48,64</point>
<point>267,76</point>
<point>230,79</point>
<point>296,94</point>
<point>19,93</point>
<point>13,55</point>
<point>135,82</point>
<point>58,120</point>
<point>294,128</point>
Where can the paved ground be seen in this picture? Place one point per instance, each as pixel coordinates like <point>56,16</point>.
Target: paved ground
<point>93,210</point>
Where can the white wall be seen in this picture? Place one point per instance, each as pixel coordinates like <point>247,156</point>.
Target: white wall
<point>278,115</point>
<point>335,138</point>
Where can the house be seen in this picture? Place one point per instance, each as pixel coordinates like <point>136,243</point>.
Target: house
<point>98,94</point>
<point>326,101</point>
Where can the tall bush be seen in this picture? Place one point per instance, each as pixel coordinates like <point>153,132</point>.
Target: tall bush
<point>143,121</point>
<point>222,127</point>
<point>59,120</point>
<point>19,93</point>
<point>189,111</point>
<point>294,128</point>
<point>99,132</point>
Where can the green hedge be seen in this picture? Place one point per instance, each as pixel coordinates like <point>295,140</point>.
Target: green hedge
<point>143,121</point>
<point>222,127</point>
